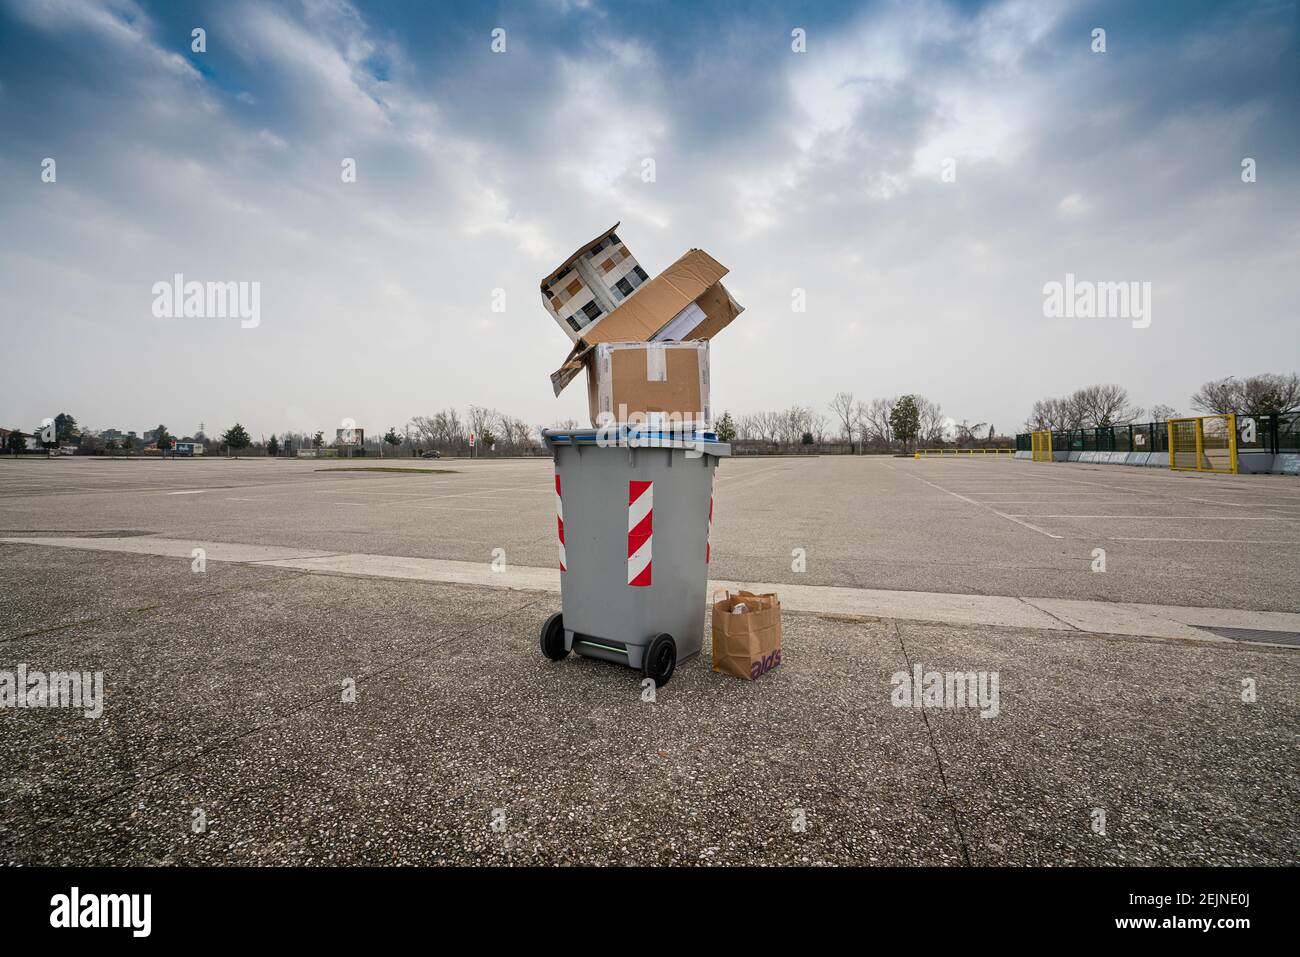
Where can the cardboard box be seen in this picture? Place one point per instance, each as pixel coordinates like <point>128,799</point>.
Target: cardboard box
<point>686,299</point>
<point>592,283</point>
<point>659,385</point>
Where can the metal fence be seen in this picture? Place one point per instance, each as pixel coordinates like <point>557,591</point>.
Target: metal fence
<point>1268,433</point>
<point>1255,433</point>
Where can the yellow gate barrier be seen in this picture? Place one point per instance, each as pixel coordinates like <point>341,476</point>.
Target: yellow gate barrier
<point>927,452</point>
<point>1206,443</point>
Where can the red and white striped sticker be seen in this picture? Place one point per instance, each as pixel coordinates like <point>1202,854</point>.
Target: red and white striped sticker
<point>640,531</point>
<point>708,541</point>
<point>559,519</point>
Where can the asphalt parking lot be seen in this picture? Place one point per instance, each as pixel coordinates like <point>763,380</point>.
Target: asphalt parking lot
<point>223,687</point>
<point>961,527</point>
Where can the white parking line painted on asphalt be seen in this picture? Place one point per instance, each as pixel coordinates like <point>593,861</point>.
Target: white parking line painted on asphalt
<point>411,502</point>
<point>1093,617</point>
<point>1055,494</point>
<point>1175,518</point>
<point>1206,501</point>
<point>1168,491</point>
<point>115,490</point>
<point>1093,504</point>
<point>486,491</point>
<point>190,491</point>
<point>1010,518</point>
<point>466,508</point>
<point>175,548</point>
<point>747,473</point>
<point>1209,541</point>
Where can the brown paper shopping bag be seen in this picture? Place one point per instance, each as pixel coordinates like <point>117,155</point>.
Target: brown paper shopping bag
<point>746,644</point>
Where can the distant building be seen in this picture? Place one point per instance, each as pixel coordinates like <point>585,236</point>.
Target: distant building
<point>30,441</point>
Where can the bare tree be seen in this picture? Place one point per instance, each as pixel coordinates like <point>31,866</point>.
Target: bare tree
<point>1161,412</point>
<point>1219,395</point>
<point>480,421</point>
<point>1058,413</point>
<point>968,435</point>
<point>787,423</point>
<point>874,419</point>
<point>817,424</point>
<point>795,422</point>
<point>1098,406</point>
<point>1073,410</point>
<point>516,435</point>
<point>1047,415</point>
<point>505,433</point>
<point>861,423</point>
<point>527,435</point>
<point>1264,394</point>
<point>1271,394</point>
<point>844,410</point>
<point>444,428</point>
<point>783,425</point>
<point>425,431</point>
<point>932,420</point>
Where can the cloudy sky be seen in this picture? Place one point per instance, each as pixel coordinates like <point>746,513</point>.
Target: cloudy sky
<point>476,171</point>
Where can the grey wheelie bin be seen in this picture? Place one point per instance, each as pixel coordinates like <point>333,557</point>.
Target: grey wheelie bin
<point>633,516</point>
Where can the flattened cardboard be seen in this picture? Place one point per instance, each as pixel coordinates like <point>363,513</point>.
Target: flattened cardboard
<point>633,379</point>
<point>692,279</point>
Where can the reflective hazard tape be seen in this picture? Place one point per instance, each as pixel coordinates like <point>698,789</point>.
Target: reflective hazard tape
<point>640,529</point>
<point>559,519</point>
<point>708,540</point>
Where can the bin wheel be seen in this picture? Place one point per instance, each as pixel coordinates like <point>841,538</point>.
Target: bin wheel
<point>660,660</point>
<point>553,637</point>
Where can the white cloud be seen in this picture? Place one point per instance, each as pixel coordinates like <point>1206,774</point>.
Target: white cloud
<point>1072,206</point>
<point>474,180</point>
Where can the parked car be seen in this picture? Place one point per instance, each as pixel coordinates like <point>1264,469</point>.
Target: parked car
<point>431,454</point>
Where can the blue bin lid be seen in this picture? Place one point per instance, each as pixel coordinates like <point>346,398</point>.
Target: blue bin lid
<point>625,437</point>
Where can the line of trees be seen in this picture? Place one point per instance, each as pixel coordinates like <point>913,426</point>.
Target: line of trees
<point>90,442</point>
<point>1099,406</point>
<point>1094,406</point>
<point>881,425</point>
<point>902,422</point>
<point>449,431</point>
<point>797,425</point>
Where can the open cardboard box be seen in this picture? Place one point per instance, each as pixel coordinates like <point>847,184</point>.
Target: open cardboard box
<point>685,302</point>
